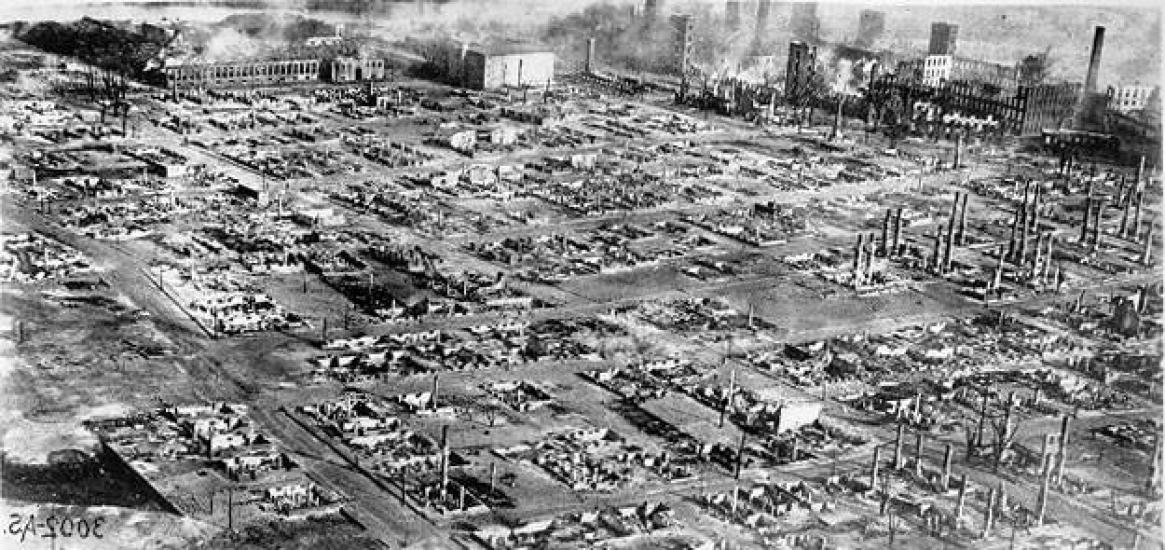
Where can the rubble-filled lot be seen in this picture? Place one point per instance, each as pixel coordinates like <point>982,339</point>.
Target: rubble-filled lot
<point>196,454</point>
<point>29,257</point>
<point>591,320</point>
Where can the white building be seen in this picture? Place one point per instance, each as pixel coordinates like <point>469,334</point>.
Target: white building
<point>1128,99</point>
<point>936,69</point>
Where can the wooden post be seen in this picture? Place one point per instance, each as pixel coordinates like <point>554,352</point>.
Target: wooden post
<point>936,257</point>
<point>898,447</point>
<point>444,461</point>
<point>1042,500</point>
<point>1086,220</point>
<point>728,398</point>
<point>982,418</point>
<point>493,475</point>
<point>946,263</point>
<point>961,504</point>
<point>897,232</point>
<point>884,243</point>
<point>918,455</point>
<point>1153,484</point>
<point>963,221</point>
<point>946,475</point>
<point>740,455</point>
<point>988,513</point>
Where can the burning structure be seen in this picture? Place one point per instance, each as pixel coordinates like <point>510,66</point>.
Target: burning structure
<point>968,105</point>
<point>945,90</point>
<point>801,64</point>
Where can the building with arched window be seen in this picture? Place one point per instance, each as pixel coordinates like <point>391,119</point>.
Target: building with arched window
<point>242,73</point>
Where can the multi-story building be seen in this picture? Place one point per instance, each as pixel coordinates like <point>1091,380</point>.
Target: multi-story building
<point>491,68</point>
<point>935,70</point>
<point>1049,107</point>
<point>801,63</point>
<point>1032,70</point>
<point>1129,98</point>
<point>353,69</point>
<point>943,37</point>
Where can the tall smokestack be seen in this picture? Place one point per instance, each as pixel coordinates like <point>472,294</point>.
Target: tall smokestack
<point>1094,61</point>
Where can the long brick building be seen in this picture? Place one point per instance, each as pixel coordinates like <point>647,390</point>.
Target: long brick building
<point>242,73</point>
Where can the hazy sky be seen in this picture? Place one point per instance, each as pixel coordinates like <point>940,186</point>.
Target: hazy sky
<point>989,29</point>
